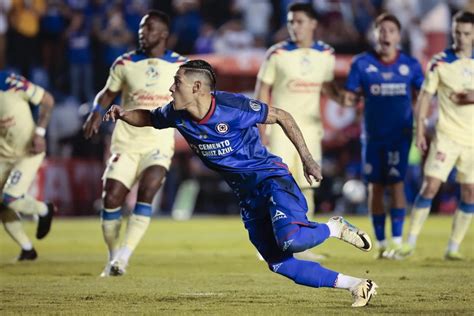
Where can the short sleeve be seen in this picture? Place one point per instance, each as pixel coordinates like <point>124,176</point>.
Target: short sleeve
<point>431,82</point>
<point>116,75</point>
<point>26,89</point>
<point>161,117</point>
<point>253,112</point>
<point>331,64</point>
<point>353,82</point>
<point>267,71</point>
<point>418,76</point>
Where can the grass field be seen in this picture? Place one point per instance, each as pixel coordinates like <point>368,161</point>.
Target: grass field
<point>207,266</point>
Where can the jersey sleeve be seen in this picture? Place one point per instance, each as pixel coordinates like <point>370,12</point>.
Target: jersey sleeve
<point>430,84</point>
<point>353,82</point>
<point>267,71</point>
<point>162,117</point>
<point>26,89</point>
<point>116,76</point>
<point>418,76</point>
<point>253,112</point>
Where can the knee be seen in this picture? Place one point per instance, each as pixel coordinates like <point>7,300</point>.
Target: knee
<point>467,193</point>
<point>112,199</point>
<point>288,241</point>
<point>429,189</point>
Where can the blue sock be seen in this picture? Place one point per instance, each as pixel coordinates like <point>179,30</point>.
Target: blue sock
<point>295,238</point>
<point>467,208</point>
<point>422,202</point>
<point>305,272</point>
<point>398,217</point>
<point>110,214</point>
<point>143,209</point>
<point>378,221</point>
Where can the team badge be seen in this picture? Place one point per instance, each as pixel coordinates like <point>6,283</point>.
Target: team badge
<point>404,70</point>
<point>152,72</point>
<point>255,105</point>
<point>222,128</point>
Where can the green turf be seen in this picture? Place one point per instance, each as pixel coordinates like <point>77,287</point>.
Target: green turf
<point>206,266</point>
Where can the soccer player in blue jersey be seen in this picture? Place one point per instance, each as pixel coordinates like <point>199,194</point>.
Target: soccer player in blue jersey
<point>385,77</point>
<point>222,130</point>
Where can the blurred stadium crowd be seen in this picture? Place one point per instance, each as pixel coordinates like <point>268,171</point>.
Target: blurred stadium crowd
<point>67,46</point>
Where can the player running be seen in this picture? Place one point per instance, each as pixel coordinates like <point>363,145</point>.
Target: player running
<point>221,128</point>
<point>142,78</point>
<point>22,150</point>
<point>385,77</point>
<point>450,74</point>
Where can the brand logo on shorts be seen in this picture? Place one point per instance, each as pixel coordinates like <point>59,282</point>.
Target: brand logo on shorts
<point>278,215</point>
<point>222,128</point>
<point>277,266</point>
<point>440,156</point>
<point>393,172</point>
<point>287,244</point>
<point>255,105</point>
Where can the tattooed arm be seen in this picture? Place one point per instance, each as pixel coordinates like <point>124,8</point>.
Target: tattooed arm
<point>293,132</point>
<point>39,143</point>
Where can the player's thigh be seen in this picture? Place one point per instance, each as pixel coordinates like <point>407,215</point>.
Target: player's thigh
<point>22,175</point>
<point>465,165</point>
<point>373,161</point>
<point>442,157</point>
<point>122,167</point>
<point>395,161</point>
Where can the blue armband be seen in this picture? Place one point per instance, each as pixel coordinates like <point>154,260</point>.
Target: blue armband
<point>98,108</point>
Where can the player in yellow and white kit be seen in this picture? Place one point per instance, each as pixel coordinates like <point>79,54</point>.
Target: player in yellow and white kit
<point>141,155</point>
<point>292,78</point>
<point>450,74</point>
<point>22,149</point>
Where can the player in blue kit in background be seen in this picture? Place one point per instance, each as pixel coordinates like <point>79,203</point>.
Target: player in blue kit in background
<point>222,130</point>
<point>385,78</point>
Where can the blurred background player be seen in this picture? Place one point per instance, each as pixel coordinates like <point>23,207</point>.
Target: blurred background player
<point>22,150</point>
<point>273,208</point>
<point>291,78</point>
<point>385,77</point>
<point>143,78</point>
<point>450,74</point>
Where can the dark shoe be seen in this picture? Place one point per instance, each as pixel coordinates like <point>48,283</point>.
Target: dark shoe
<point>27,255</point>
<point>44,222</point>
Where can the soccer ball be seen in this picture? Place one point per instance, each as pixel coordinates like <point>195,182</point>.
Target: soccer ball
<point>354,191</point>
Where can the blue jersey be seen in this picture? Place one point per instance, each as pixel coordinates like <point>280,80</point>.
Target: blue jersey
<point>387,90</point>
<point>227,139</point>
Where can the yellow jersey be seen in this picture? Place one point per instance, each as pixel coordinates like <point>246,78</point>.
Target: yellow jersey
<point>144,83</point>
<point>16,95</point>
<point>447,73</point>
<point>296,76</point>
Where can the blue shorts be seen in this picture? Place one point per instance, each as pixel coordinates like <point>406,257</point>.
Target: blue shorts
<point>275,203</point>
<point>385,163</point>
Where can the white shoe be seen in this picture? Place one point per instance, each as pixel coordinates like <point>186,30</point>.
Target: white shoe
<point>351,234</point>
<point>309,256</point>
<point>106,272</point>
<point>117,268</point>
<point>363,292</point>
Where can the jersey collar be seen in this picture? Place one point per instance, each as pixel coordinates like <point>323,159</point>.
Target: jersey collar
<point>211,111</point>
<point>387,63</point>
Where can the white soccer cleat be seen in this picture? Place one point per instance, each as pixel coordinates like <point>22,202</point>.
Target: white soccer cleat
<point>117,268</point>
<point>363,292</point>
<point>106,272</point>
<point>351,234</point>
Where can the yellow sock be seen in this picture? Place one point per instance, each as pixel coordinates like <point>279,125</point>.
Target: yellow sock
<point>418,218</point>
<point>11,222</point>
<point>461,223</point>
<point>111,233</point>
<point>136,228</point>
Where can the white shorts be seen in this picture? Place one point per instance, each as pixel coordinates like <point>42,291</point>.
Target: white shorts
<point>446,154</point>
<point>127,167</point>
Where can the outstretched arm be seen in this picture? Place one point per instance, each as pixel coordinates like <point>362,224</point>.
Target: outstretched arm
<point>138,118</point>
<point>293,132</point>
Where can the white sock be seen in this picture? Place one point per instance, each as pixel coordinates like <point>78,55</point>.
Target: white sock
<point>334,229</point>
<point>460,226</point>
<point>123,255</point>
<point>417,219</point>
<point>111,232</point>
<point>136,228</point>
<point>346,282</point>
<point>381,243</point>
<point>397,240</point>
<point>453,246</point>
<point>16,232</point>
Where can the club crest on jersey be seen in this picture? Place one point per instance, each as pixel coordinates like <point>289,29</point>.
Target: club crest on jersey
<point>404,69</point>
<point>222,128</point>
<point>152,73</point>
<point>255,105</point>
